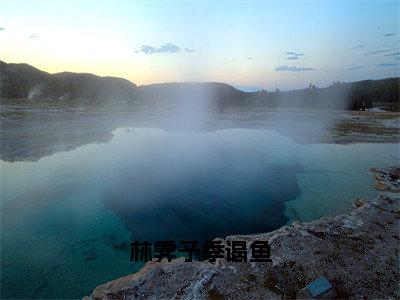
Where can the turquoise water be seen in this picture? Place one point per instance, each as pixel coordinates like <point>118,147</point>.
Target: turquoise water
<point>67,219</point>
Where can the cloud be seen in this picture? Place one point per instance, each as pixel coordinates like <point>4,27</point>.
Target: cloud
<point>386,64</point>
<point>295,54</point>
<point>354,68</point>
<point>292,58</point>
<point>388,34</point>
<point>237,59</point>
<point>356,47</point>
<point>393,54</point>
<point>378,51</point>
<point>166,48</point>
<point>293,69</point>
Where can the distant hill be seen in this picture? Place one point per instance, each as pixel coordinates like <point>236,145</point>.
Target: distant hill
<point>382,93</point>
<point>195,94</point>
<point>25,81</point>
<point>22,81</point>
<point>18,80</point>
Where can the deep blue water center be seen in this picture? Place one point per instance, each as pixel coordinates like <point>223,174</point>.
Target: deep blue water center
<point>67,219</point>
<point>231,195</point>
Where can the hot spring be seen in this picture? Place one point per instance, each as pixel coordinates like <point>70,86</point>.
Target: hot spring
<point>67,219</point>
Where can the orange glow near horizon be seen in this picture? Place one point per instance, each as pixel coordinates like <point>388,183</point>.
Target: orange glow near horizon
<point>255,44</point>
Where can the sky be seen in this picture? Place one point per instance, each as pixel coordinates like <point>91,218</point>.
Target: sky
<point>268,44</point>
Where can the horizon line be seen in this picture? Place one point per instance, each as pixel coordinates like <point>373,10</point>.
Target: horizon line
<point>236,86</point>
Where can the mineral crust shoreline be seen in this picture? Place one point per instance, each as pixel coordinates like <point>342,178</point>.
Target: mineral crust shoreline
<point>357,252</point>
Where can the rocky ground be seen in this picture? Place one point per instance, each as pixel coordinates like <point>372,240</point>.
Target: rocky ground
<point>366,127</point>
<point>357,252</point>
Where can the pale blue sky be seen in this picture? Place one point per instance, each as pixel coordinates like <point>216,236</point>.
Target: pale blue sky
<point>238,42</point>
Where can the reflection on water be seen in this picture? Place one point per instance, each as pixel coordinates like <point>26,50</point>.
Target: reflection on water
<point>67,219</point>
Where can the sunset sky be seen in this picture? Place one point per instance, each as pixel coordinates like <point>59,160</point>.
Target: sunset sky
<point>285,44</point>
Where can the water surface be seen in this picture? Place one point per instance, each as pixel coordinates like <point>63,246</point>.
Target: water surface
<point>67,219</point>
